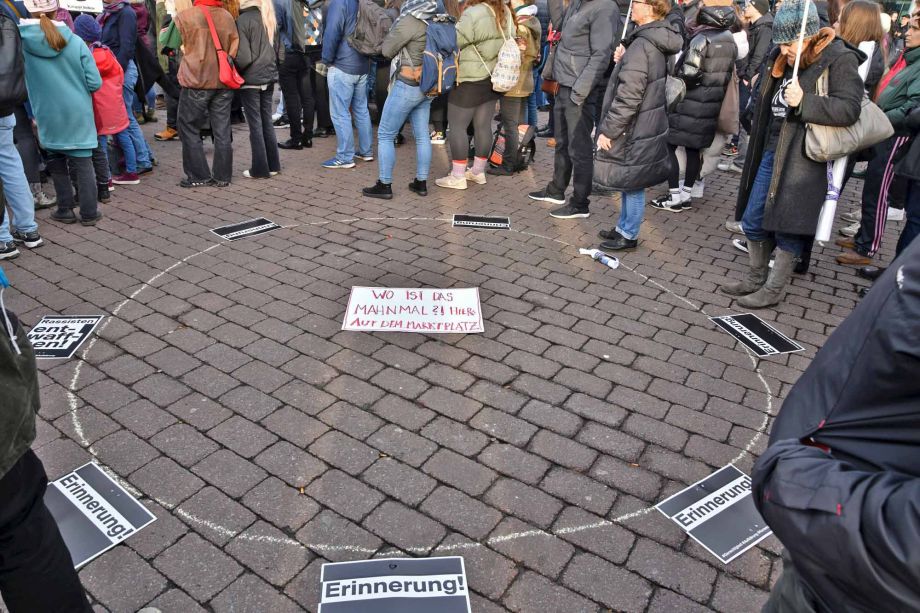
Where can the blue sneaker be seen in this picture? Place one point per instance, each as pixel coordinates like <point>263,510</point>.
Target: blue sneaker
<point>334,163</point>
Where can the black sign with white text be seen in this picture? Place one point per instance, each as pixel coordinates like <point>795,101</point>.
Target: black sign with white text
<point>719,513</point>
<point>244,229</point>
<point>60,337</point>
<point>756,334</point>
<point>395,585</point>
<point>480,221</point>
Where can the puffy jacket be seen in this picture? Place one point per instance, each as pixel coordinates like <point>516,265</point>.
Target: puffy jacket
<point>839,483</point>
<point>255,58</point>
<point>902,93</point>
<point>760,41</point>
<point>19,402</point>
<point>477,31</point>
<point>707,69</point>
<point>108,101</point>
<point>341,19</point>
<point>590,32</point>
<point>528,30</point>
<point>635,111</point>
<point>119,32</point>
<point>59,85</point>
<point>12,85</point>
<point>199,68</point>
<point>799,185</point>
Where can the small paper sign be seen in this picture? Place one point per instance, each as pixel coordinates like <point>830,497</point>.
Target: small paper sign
<point>60,337</point>
<point>395,585</point>
<point>719,513</point>
<point>756,334</point>
<point>480,221</point>
<point>93,512</point>
<point>245,229</point>
<point>82,6</point>
<point>399,309</point>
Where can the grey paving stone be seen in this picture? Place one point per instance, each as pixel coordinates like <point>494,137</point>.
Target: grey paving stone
<point>123,452</point>
<point>337,539</point>
<point>504,427</point>
<point>280,504</point>
<point>592,533</point>
<point>165,481</point>
<point>229,472</point>
<point>403,445</point>
<point>629,478</point>
<point>198,567</point>
<point>461,512</point>
<point>344,494</point>
<point>734,595</point>
<point>608,584</point>
<point>455,435</point>
<point>344,452</point>
<point>121,580</point>
<point>460,472</point>
<point>199,411</point>
<point>404,527</point>
<point>215,516</point>
<point>290,464</point>
<point>532,592</point>
<point>269,553</point>
<point>579,490</point>
<point>242,436</point>
<point>175,600</point>
<point>487,572</point>
<point>562,450</point>
<point>353,390</point>
<point>523,501</point>
<point>158,535</point>
<point>612,442</point>
<point>666,567</point>
<point>249,594</point>
<point>536,549</point>
<point>184,444</point>
<point>143,418</point>
<point>399,481</point>
<point>511,461</point>
<point>351,420</point>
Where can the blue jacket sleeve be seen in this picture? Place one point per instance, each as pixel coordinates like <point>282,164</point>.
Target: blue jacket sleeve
<point>334,30</point>
<point>127,35</point>
<point>283,18</point>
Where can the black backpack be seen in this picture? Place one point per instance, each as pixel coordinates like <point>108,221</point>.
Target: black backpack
<point>12,68</point>
<point>371,27</point>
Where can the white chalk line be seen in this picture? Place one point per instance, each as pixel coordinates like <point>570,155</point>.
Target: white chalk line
<point>328,548</point>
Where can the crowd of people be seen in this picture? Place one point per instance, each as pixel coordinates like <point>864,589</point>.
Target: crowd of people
<point>639,94</point>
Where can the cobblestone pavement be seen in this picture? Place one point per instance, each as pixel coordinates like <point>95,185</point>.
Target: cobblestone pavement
<point>221,388</point>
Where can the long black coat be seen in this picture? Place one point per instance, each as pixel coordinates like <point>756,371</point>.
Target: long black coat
<point>635,115</point>
<point>847,506</point>
<point>799,185</point>
<point>707,68</point>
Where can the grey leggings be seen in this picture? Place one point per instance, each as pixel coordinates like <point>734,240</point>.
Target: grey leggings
<point>459,119</point>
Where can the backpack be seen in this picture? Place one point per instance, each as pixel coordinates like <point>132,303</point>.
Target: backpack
<point>507,69</point>
<point>12,66</point>
<point>527,147</point>
<point>371,27</point>
<point>439,63</point>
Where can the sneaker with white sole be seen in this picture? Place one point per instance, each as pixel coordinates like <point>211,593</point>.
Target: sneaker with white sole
<point>545,196</point>
<point>365,158</point>
<point>852,216</point>
<point>850,230</point>
<point>698,189</point>
<point>437,138</point>
<point>334,163</point>
<point>734,227</point>
<point>895,214</point>
<point>30,240</point>
<point>479,179</point>
<point>740,244</point>
<point>569,212</point>
<point>8,251</point>
<point>667,202</point>
<point>451,182</point>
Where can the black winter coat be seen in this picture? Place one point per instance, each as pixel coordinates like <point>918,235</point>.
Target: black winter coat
<point>706,68</point>
<point>635,115</point>
<point>799,185</point>
<point>760,41</point>
<point>257,57</point>
<point>839,484</point>
<point>908,166</point>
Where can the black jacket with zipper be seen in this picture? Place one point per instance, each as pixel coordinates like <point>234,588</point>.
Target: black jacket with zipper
<point>257,56</point>
<point>760,41</point>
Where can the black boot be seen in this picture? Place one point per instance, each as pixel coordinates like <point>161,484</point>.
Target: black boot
<point>505,170</point>
<point>307,141</point>
<point>291,144</point>
<point>419,187</point>
<point>380,190</point>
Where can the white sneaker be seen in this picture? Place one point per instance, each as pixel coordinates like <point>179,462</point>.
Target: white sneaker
<point>699,188</point>
<point>451,182</point>
<point>851,216</point>
<point>685,195</point>
<point>734,226</point>
<point>895,214</point>
<point>851,230</point>
<point>740,244</point>
<point>276,116</point>
<point>669,202</point>
<point>724,164</point>
<point>479,179</point>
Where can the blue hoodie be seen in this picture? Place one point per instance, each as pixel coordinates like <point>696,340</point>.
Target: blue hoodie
<point>60,84</point>
<point>341,19</point>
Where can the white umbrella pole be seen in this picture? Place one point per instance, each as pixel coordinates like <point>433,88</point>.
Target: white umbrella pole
<point>628,15</point>
<point>798,53</point>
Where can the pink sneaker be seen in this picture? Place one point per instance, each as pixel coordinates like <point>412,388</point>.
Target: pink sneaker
<point>127,178</point>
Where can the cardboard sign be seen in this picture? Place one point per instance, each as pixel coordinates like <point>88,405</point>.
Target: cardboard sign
<point>82,6</point>
<point>395,585</point>
<point>93,512</point>
<point>245,229</point>
<point>400,309</point>
<point>480,221</point>
<point>60,337</point>
<point>756,334</point>
<point>719,514</point>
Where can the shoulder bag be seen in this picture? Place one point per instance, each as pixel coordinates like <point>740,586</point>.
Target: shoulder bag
<point>229,75</point>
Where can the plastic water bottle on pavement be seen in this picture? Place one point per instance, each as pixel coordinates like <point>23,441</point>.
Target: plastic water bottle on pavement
<point>607,260</point>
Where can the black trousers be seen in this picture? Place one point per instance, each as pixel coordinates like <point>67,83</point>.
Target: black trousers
<point>790,594</point>
<point>67,170</point>
<point>36,571</point>
<point>439,113</point>
<point>172,102</point>
<point>196,108</point>
<point>875,196</point>
<point>305,94</point>
<point>512,113</point>
<point>257,105</point>
<point>27,145</point>
<point>574,159</point>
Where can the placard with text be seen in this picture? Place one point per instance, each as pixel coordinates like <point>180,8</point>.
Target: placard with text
<point>401,309</point>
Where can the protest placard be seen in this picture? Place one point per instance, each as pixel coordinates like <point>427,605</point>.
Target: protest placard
<point>93,512</point>
<point>252,227</point>
<point>82,6</point>
<point>719,513</point>
<point>481,221</point>
<point>400,309</point>
<point>60,337</point>
<point>395,585</point>
<point>756,334</point>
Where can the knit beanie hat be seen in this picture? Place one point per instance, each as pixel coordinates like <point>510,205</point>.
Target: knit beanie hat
<point>788,21</point>
<point>41,6</point>
<point>86,28</point>
<point>762,6</point>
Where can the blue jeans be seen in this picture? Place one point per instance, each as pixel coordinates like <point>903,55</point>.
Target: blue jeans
<point>15,186</point>
<point>632,211</point>
<point>126,144</point>
<point>141,151</point>
<point>348,91</point>
<point>404,102</point>
<point>752,221</point>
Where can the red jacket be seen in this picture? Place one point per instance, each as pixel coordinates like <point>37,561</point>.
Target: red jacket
<point>108,103</point>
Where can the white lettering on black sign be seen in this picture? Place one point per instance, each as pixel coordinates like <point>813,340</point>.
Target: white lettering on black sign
<point>60,337</point>
<point>246,228</point>
<point>756,334</point>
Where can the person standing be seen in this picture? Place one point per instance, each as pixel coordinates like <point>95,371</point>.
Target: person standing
<point>256,60</point>
<point>405,42</point>
<point>347,80</point>
<point>61,76</point>
<point>300,24</point>
<point>632,144</point>
<point>204,98</point>
<point>590,33</point>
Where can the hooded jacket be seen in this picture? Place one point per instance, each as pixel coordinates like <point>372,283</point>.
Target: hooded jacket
<point>256,58</point>
<point>528,30</point>
<point>902,93</point>
<point>19,402</point>
<point>119,32</point>
<point>635,116</point>
<point>477,31</point>
<point>707,69</point>
<point>799,185</point>
<point>839,483</point>
<point>590,33</point>
<point>60,84</point>
<point>760,37</point>
<point>108,101</point>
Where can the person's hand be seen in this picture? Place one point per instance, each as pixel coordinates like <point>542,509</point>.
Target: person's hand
<point>793,94</point>
<point>619,53</point>
<point>521,43</point>
<point>604,143</point>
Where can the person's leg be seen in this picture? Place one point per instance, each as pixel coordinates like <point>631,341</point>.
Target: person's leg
<point>323,111</point>
<point>268,130</point>
<point>879,176</point>
<point>912,217</point>
<point>399,104</point>
<point>15,185</point>
<point>36,570</point>
<point>419,118</point>
<point>137,137</point>
<point>363,116</point>
<point>63,187</point>
<point>694,164</point>
<point>308,98</point>
<point>511,109</point>
<point>219,113</point>
<point>562,162</point>
<point>341,91</point>
<point>632,212</point>
<point>381,82</point>
<point>439,114</point>
<point>674,174</point>
<point>27,145</point>
<point>192,117</point>
<point>126,145</point>
<point>459,119</point>
<point>82,167</point>
<point>580,123</point>
<point>290,78</point>
<point>530,116</point>
<point>789,594</point>
<point>482,136</point>
<point>252,109</point>
<point>101,165</point>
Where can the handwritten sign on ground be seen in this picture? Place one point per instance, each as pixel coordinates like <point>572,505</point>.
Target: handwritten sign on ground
<point>399,309</point>
<point>395,585</point>
<point>756,334</point>
<point>719,513</point>
<point>60,337</point>
<point>93,512</point>
<point>252,227</point>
